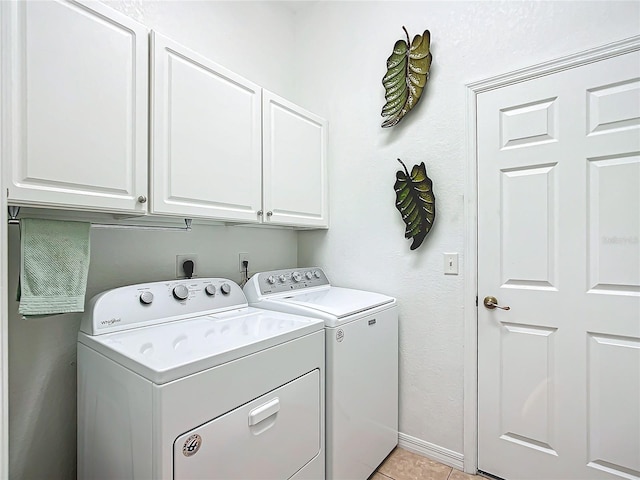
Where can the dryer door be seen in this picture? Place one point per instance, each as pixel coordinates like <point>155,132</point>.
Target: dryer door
<point>271,437</point>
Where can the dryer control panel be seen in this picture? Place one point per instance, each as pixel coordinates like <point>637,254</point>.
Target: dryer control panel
<point>144,304</point>
<point>281,281</point>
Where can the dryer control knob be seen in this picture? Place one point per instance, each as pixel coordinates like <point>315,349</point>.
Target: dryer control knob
<point>282,278</point>
<point>271,279</point>
<point>146,298</point>
<point>316,274</point>
<point>210,290</point>
<point>225,288</point>
<point>296,276</point>
<point>180,292</point>
<point>309,275</point>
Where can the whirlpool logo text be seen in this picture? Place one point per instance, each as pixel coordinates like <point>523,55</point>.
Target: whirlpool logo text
<point>111,321</point>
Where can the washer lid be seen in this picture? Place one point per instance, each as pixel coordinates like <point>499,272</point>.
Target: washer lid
<point>166,352</point>
<point>337,301</point>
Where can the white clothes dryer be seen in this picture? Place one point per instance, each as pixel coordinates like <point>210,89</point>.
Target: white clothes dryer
<point>183,380</point>
<point>361,341</point>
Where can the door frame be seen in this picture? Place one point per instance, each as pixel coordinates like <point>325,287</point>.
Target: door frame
<point>470,405</point>
<point>4,267</point>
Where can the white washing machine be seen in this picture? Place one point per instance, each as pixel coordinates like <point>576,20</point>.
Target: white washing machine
<point>361,341</point>
<point>182,380</point>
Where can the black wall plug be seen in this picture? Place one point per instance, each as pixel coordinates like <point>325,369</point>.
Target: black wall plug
<point>188,267</point>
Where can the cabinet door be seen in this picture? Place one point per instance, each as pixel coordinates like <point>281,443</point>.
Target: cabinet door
<point>294,165</point>
<point>76,106</point>
<point>206,156</point>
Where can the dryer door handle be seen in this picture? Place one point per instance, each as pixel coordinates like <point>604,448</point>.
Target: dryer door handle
<point>264,411</point>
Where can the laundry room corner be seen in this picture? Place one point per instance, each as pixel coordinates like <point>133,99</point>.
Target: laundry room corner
<point>365,245</point>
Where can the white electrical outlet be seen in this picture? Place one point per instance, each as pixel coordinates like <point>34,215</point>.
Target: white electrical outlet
<point>241,258</point>
<point>180,259</point>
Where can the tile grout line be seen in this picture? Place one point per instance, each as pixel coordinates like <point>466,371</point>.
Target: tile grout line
<point>387,476</point>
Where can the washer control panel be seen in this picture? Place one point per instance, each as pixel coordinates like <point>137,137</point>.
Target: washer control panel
<point>280,281</point>
<point>144,304</point>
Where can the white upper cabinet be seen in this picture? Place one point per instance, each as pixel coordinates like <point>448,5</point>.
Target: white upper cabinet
<point>75,80</point>
<point>224,148</point>
<point>206,137</point>
<point>295,189</point>
<point>78,93</point>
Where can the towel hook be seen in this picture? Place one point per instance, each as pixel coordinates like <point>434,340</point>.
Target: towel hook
<point>13,215</point>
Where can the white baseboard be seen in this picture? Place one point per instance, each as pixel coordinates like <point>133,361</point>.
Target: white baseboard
<point>429,450</point>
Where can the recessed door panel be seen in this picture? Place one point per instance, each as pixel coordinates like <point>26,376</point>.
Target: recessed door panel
<point>525,125</point>
<point>199,133</point>
<point>613,404</point>
<point>528,400</point>
<point>529,230</point>
<point>614,223</point>
<point>613,107</point>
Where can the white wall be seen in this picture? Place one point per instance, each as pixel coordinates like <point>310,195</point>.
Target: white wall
<point>253,39</point>
<point>342,50</point>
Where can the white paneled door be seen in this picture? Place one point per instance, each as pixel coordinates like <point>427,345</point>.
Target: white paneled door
<point>559,243</point>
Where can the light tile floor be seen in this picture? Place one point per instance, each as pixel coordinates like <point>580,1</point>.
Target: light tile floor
<point>404,465</point>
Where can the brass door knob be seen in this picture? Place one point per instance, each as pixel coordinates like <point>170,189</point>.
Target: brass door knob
<point>492,302</point>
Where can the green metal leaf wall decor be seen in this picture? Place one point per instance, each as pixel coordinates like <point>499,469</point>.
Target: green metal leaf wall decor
<point>407,74</point>
<point>416,202</point>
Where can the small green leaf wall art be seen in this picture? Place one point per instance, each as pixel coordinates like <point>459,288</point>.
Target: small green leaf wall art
<point>416,202</point>
<point>407,74</point>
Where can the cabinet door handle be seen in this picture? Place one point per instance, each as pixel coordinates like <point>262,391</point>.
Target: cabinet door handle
<point>260,213</point>
<point>142,199</point>
<point>269,213</point>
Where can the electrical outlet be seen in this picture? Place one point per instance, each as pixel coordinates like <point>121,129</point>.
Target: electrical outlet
<point>180,259</point>
<point>241,258</point>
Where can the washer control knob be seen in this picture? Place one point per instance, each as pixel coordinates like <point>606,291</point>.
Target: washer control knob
<point>180,292</point>
<point>210,290</point>
<point>296,276</point>
<point>146,298</point>
<point>309,275</point>
<point>282,278</point>
<point>225,288</point>
<point>316,274</point>
<point>271,279</point>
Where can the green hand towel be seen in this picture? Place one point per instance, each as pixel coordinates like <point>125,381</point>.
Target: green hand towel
<point>53,267</point>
